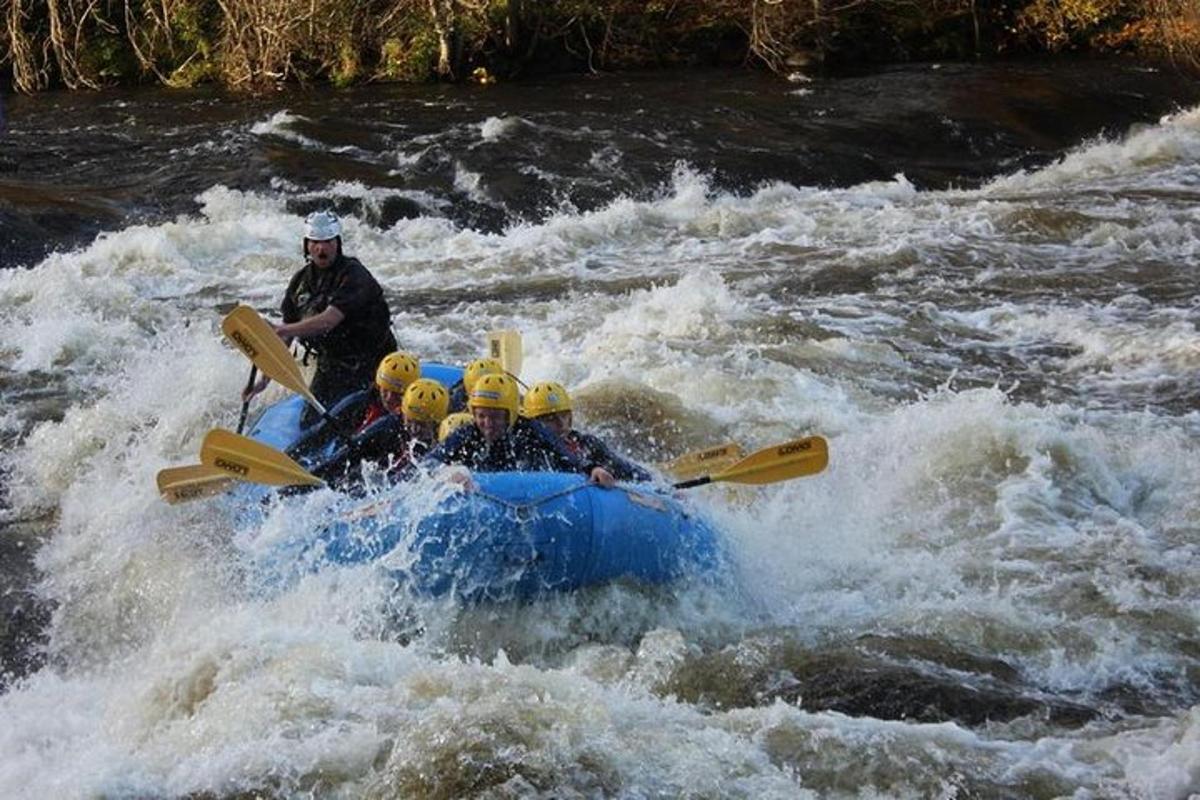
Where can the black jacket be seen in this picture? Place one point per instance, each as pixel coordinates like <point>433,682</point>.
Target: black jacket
<point>591,450</point>
<point>527,446</point>
<point>384,442</point>
<point>364,336</point>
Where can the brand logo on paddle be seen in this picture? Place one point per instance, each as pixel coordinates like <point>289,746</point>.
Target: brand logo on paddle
<point>243,343</point>
<point>795,447</point>
<point>716,452</point>
<point>230,466</point>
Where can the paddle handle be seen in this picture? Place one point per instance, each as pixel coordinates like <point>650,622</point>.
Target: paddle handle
<point>246,402</point>
<point>703,479</point>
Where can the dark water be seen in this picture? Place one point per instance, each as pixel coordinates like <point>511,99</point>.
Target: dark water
<point>73,165</point>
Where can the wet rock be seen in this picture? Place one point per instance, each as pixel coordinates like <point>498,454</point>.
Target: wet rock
<point>383,213</point>
<point>23,615</point>
<point>920,680</point>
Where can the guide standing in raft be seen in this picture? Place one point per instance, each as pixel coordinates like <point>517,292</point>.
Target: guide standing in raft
<point>337,310</point>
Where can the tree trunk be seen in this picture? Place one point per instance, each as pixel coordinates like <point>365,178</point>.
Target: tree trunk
<point>442,12</point>
<point>512,27</point>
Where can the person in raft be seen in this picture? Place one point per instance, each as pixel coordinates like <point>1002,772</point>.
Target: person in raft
<point>336,308</point>
<point>471,373</point>
<point>426,403</point>
<point>499,439</point>
<point>548,403</point>
<point>397,440</point>
<point>395,373</point>
<point>453,422</point>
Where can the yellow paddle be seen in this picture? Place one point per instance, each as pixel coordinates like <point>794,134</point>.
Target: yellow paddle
<point>246,459</point>
<point>505,346</point>
<point>180,484</point>
<point>701,462</point>
<point>250,460</point>
<point>255,337</point>
<point>779,462</point>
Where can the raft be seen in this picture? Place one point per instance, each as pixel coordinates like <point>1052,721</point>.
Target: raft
<point>520,536</point>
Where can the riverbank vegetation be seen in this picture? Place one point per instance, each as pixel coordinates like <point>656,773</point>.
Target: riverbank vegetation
<point>253,44</point>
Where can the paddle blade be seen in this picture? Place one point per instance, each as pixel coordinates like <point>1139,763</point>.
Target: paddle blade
<point>779,462</point>
<point>703,462</point>
<point>252,334</point>
<point>181,484</point>
<point>505,346</point>
<point>246,459</point>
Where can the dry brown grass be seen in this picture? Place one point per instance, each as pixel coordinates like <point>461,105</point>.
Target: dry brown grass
<point>250,44</point>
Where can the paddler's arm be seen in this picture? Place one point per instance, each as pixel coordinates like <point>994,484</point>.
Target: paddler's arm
<point>599,475</point>
<point>313,326</point>
<point>563,460</point>
<point>448,458</point>
<point>620,468</point>
<point>258,386</point>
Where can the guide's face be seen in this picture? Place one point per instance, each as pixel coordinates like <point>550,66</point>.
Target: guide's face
<point>322,253</point>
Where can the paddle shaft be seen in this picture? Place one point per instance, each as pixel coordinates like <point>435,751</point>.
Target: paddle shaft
<point>703,479</point>
<point>246,403</point>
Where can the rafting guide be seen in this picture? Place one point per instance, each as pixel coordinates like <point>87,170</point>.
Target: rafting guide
<point>337,310</point>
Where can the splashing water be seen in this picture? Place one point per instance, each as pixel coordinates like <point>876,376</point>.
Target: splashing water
<point>991,591</point>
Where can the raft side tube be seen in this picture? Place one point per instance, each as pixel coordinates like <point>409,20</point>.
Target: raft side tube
<point>524,534</point>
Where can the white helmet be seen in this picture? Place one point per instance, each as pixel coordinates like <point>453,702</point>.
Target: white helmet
<point>321,226</point>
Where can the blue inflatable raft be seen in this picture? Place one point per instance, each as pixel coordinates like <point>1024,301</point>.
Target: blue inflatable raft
<point>521,535</point>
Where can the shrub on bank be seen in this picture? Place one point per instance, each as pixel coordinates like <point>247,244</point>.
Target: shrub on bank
<point>249,44</point>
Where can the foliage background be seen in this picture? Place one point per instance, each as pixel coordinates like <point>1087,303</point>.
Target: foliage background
<point>252,44</point>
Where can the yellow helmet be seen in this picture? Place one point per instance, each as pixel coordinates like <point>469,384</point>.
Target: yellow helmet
<point>496,391</point>
<point>547,397</point>
<point>425,401</point>
<point>396,371</point>
<point>477,369</point>
<point>452,422</point>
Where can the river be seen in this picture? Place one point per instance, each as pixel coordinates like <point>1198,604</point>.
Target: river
<point>978,282</point>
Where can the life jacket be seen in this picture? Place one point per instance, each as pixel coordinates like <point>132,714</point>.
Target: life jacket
<point>364,337</point>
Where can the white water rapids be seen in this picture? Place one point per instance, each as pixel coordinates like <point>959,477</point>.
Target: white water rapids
<point>1008,378</point>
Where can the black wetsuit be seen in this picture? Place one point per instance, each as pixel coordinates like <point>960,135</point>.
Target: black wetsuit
<point>591,450</point>
<point>347,355</point>
<point>458,398</point>
<point>527,446</point>
<point>346,412</point>
<point>384,442</point>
